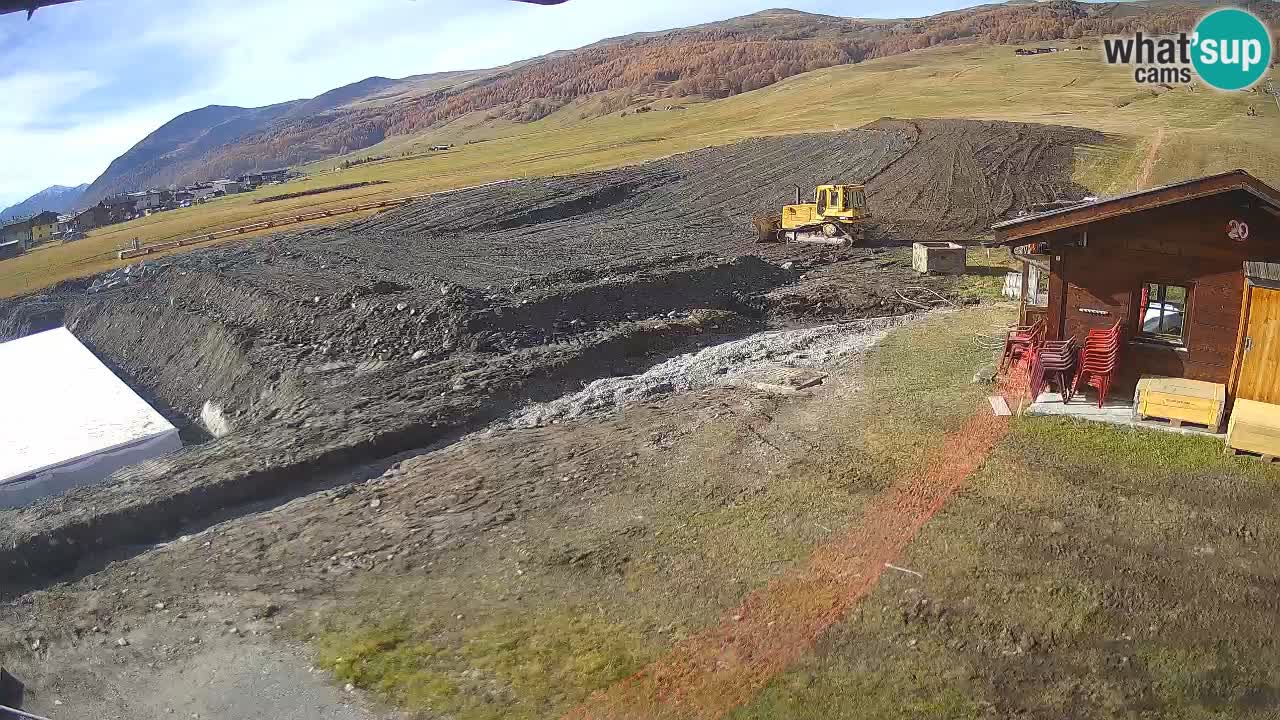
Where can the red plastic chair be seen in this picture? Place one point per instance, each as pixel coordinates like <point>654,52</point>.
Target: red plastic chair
<point>1020,342</point>
<point>1055,358</point>
<point>1098,361</point>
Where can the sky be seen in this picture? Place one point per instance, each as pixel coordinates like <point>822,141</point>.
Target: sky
<point>83,82</point>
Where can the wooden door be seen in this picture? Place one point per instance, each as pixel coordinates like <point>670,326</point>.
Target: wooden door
<point>1260,363</point>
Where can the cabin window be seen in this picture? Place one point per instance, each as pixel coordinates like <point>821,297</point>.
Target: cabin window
<point>822,201</point>
<point>1162,312</point>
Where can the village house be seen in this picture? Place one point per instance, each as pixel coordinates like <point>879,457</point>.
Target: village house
<point>64,226</point>
<point>91,218</point>
<point>201,193</point>
<point>11,248</point>
<point>44,227</point>
<point>151,199</point>
<point>253,180</point>
<point>13,231</point>
<point>14,237</point>
<point>1188,272</point>
<point>227,187</point>
<point>30,231</point>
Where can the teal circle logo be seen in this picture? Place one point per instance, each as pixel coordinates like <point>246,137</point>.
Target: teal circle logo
<point>1231,49</point>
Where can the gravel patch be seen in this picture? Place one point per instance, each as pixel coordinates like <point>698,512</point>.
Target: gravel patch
<point>763,360</point>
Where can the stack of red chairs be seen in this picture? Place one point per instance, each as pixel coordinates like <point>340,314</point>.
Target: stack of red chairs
<point>1098,361</point>
<point>1056,358</point>
<point>1021,343</point>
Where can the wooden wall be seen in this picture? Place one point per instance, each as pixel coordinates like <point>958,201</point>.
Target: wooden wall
<point>1184,244</point>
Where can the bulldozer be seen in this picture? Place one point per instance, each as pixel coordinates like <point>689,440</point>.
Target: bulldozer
<point>837,216</point>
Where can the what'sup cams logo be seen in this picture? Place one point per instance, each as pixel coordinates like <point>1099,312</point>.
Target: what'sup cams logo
<point>1229,50</point>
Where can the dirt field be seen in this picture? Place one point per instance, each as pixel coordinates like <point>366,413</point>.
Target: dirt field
<point>475,455</point>
<point>513,573</point>
<point>927,179</point>
<point>303,354</point>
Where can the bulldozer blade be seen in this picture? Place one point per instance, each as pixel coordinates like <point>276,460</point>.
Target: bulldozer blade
<point>767,228</point>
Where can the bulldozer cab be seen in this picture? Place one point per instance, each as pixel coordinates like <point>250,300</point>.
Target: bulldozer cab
<point>840,200</point>
<point>835,215</point>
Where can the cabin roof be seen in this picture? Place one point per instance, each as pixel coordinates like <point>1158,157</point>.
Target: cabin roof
<point>1017,230</point>
<point>1266,274</point>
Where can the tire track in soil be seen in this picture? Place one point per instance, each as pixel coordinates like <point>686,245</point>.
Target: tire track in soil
<point>1149,164</point>
<point>710,674</point>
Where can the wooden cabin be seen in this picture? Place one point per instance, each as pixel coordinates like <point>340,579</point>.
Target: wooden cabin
<point>1190,270</point>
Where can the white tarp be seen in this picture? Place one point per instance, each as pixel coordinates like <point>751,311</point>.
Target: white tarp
<point>67,420</point>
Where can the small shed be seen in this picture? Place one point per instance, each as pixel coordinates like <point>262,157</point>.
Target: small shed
<point>1186,269</point>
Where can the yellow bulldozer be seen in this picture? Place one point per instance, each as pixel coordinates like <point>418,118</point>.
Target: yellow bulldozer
<point>837,216</point>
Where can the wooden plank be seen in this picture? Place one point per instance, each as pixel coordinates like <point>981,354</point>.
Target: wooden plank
<point>1214,338</point>
<point>1216,316</point>
<point>1176,410</point>
<point>1057,296</point>
<point>999,405</point>
<point>1183,388</point>
<point>1139,360</point>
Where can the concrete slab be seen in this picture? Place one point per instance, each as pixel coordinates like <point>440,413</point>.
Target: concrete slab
<point>1115,411</point>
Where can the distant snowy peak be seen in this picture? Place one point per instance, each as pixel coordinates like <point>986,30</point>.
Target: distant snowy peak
<point>58,198</point>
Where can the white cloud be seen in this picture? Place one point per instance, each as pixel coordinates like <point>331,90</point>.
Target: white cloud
<point>41,92</point>
<point>96,77</point>
<point>36,159</point>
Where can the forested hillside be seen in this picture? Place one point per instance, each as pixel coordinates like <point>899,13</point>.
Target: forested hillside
<point>749,53</point>
<point>712,61</point>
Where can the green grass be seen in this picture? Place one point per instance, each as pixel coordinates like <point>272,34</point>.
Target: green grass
<point>512,668</point>
<point>869,689</point>
<point>986,270</point>
<point>1204,132</point>
<point>1088,571</point>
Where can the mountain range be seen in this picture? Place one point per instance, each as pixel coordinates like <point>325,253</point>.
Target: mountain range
<point>58,198</point>
<point>708,61</point>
